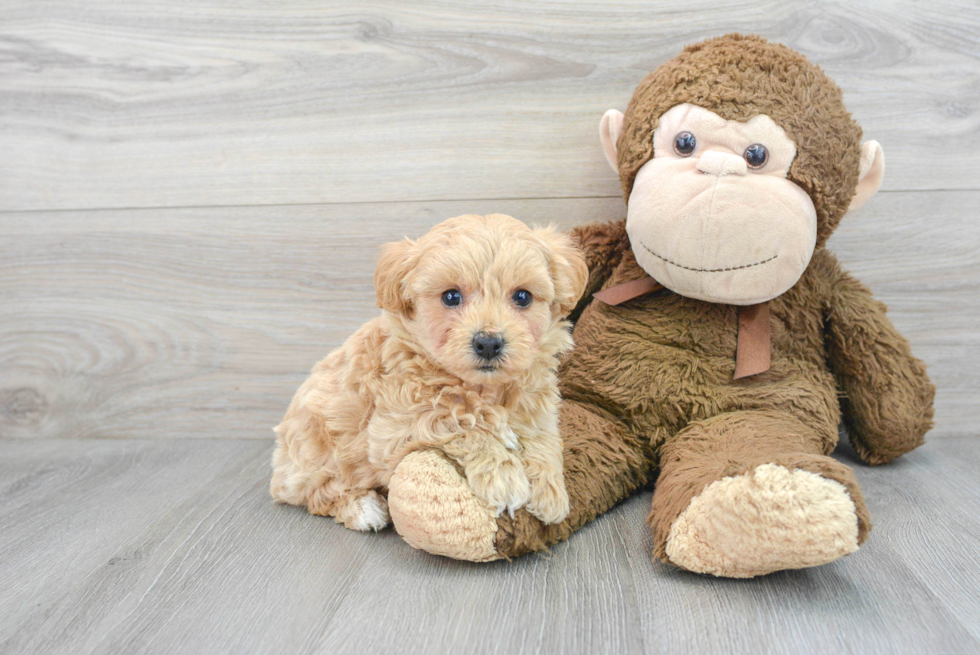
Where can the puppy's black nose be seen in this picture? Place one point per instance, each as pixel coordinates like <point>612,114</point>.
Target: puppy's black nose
<point>487,346</point>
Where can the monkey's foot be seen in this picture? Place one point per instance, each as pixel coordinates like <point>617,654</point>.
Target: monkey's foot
<point>434,509</point>
<point>769,519</point>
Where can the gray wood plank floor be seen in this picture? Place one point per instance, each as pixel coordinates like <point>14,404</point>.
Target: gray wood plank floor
<point>192,195</point>
<point>173,546</point>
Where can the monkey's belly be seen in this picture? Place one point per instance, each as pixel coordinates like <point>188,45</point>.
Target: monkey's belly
<point>662,363</point>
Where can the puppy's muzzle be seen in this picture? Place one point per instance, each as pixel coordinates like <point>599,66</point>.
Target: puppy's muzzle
<point>488,347</point>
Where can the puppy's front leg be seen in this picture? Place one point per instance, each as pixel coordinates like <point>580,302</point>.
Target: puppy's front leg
<point>542,455</point>
<point>494,473</point>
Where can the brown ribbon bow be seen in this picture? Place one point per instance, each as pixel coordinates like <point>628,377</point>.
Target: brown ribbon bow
<point>752,356</point>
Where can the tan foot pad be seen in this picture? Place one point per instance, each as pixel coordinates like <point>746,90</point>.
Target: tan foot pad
<point>433,509</point>
<point>768,520</point>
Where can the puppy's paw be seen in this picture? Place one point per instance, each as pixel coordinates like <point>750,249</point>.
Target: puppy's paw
<point>366,513</point>
<point>504,485</point>
<point>549,501</point>
<point>509,437</point>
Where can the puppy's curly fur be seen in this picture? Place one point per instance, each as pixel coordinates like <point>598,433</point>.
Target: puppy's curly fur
<point>412,378</point>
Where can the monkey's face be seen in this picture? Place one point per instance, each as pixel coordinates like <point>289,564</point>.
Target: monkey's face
<point>713,216</point>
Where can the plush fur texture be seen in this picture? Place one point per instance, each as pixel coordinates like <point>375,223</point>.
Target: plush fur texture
<point>411,379</point>
<point>649,392</point>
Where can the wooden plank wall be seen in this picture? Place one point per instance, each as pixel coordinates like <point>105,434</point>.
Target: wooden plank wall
<point>192,193</point>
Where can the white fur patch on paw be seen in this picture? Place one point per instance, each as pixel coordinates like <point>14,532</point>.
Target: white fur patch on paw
<point>768,520</point>
<point>373,514</point>
<point>509,437</point>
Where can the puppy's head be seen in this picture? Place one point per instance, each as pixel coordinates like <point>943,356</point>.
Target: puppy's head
<point>484,296</point>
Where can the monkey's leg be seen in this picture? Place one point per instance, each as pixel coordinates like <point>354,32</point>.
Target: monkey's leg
<point>434,509</point>
<point>752,492</point>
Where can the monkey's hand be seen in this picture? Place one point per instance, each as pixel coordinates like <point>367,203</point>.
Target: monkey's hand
<point>887,395</point>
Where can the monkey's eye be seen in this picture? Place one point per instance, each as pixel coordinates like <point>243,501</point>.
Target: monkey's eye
<point>685,143</point>
<point>522,298</point>
<point>452,298</point>
<point>756,155</point>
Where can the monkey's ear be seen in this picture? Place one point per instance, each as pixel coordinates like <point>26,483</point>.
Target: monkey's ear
<point>870,174</point>
<point>569,272</point>
<point>609,129</point>
<point>390,277</point>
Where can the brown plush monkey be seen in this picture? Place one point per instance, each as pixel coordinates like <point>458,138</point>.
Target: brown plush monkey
<point>738,160</point>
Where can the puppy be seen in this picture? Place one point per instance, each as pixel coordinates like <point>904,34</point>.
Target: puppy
<point>463,358</point>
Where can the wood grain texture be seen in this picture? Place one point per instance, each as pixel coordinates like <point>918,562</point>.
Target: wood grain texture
<point>189,103</point>
<point>188,567</point>
<point>68,507</point>
<point>203,322</point>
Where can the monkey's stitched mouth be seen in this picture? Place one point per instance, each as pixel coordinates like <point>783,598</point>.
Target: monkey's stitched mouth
<point>706,270</point>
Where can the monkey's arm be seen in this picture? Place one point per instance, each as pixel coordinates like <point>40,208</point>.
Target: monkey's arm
<point>887,396</point>
<point>603,245</point>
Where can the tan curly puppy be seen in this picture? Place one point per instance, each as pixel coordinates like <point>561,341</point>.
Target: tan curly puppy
<point>462,358</point>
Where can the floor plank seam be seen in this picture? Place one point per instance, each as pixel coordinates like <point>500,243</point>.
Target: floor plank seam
<point>64,210</point>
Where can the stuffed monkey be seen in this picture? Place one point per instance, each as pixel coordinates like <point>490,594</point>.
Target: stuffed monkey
<point>718,343</point>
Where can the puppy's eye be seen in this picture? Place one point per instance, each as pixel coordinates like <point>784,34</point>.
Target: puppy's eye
<point>522,298</point>
<point>452,298</point>
<point>756,155</point>
<point>685,143</point>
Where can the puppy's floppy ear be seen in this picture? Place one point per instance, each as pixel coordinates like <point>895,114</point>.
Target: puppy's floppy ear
<point>566,262</point>
<point>390,277</point>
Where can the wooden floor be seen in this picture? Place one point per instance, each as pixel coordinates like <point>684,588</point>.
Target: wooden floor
<point>172,546</point>
<point>192,195</point>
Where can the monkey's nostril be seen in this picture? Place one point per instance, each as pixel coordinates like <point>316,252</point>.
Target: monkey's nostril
<point>487,346</point>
